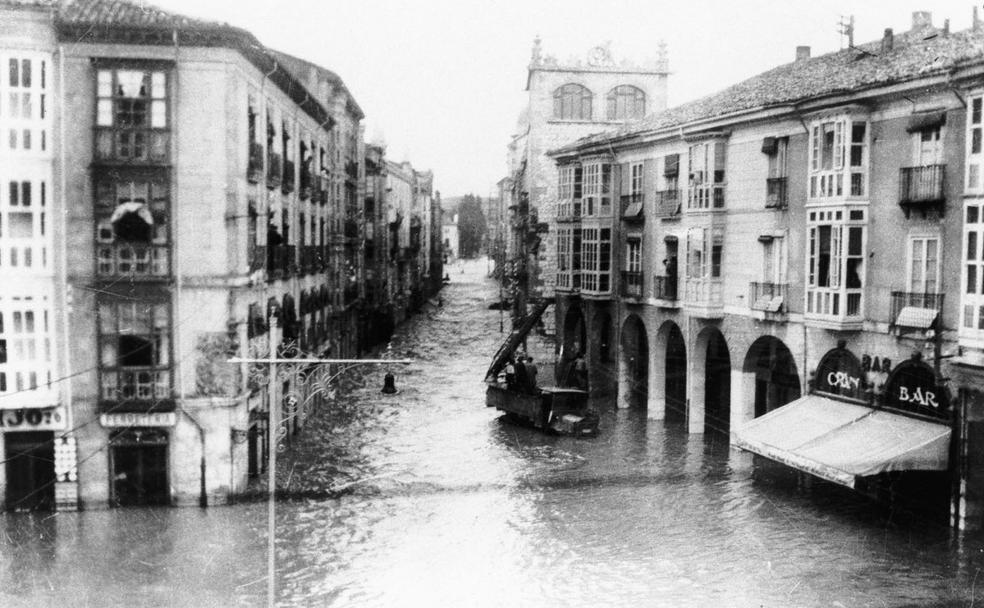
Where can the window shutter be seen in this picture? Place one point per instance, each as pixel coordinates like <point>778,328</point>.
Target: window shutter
<point>624,180</point>
<point>815,161</point>
<point>839,144</point>
<point>671,165</point>
<point>648,182</point>
<point>719,161</point>
<point>769,146</point>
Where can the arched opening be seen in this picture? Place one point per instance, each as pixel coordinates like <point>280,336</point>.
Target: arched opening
<point>675,375</point>
<point>132,223</point>
<point>633,365</point>
<point>572,367</point>
<point>771,380</point>
<point>717,385</point>
<point>603,374</point>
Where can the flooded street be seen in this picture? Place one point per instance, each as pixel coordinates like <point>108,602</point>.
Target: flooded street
<point>427,498</point>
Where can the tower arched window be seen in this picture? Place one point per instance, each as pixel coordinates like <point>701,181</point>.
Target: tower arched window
<point>572,102</point>
<point>626,102</point>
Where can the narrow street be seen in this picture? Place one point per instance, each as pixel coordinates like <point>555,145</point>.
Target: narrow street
<point>426,498</point>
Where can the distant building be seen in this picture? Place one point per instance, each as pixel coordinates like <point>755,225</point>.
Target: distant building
<point>450,237</point>
<point>567,100</point>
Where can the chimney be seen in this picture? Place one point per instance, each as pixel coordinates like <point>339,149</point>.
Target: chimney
<point>946,27</point>
<point>802,53</point>
<point>921,19</point>
<point>888,40</point>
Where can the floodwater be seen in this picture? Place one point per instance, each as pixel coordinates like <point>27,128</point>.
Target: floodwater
<point>427,498</point>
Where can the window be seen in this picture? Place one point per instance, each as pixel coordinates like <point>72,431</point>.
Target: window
<point>707,166</point>
<point>597,189</point>
<point>705,252</point>
<point>131,115</point>
<point>572,102</point>
<point>134,351</point>
<point>132,234</point>
<point>564,261</point>
<point>23,241</point>
<point>596,259</point>
<point>836,273</point>
<point>635,181</point>
<point>769,293</point>
<point>626,103</point>
<point>924,264</point>
<point>838,154</point>
<point>565,190</point>
<point>775,149</point>
<point>972,298</point>
<point>23,101</point>
<point>25,345</point>
<point>632,276</point>
<point>974,156</point>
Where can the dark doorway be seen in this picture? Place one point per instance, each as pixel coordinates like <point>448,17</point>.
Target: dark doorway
<point>30,460</point>
<point>139,465</point>
<point>676,377</point>
<point>717,386</point>
<point>634,368</point>
<point>776,380</point>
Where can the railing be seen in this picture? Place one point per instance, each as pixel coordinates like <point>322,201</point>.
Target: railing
<point>706,196</point>
<point>665,288</point>
<point>124,259</point>
<point>254,170</point>
<point>775,193</point>
<point>288,184</point>
<point>668,203</point>
<point>631,284</point>
<point>306,182</point>
<point>275,170</point>
<point>256,257</point>
<point>703,292</point>
<point>280,261</point>
<point>767,297</point>
<point>132,145</point>
<point>922,184</point>
<point>904,299</point>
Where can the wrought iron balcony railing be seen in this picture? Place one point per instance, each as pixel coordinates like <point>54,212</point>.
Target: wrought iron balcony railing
<point>632,284</point>
<point>775,193</point>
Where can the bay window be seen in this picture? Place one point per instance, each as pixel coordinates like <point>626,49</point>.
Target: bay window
<point>134,351</point>
<point>705,249</point>
<point>835,265</point>
<point>597,189</point>
<point>707,176</point>
<point>131,115</point>
<point>132,233</point>
<point>596,259</point>
<point>974,155</point>
<point>838,158</point>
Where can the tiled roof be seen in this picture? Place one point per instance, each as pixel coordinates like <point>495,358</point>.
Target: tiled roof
<point>916,53</point>
<point>122,13</point>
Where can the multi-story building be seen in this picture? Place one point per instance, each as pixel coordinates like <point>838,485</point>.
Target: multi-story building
<point>567,100</point>
<point>793,261</point>
<point>174,195</point>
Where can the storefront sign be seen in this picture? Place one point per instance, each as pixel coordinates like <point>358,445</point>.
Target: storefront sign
<point>840,373</point>
<point>129,419</point>
<point>912,386</point>
<point>33,419</point>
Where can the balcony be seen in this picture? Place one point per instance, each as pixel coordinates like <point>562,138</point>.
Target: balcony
<point>145,146</point>
<point>280,261</point>
<point>665,291</point>
<point>632,208</point>
<point>256,258</point>
<point>769,298</point>
<point>706,197</point>
<point>775,193</point>
<point>668,204</point>
<point>275,170</point>
<point>288,184</point>
<point>922,188</point>
<point>306,183</point>
<point>915,311</point>
<point>309,259</point>
<point>631,285</point>
<point>351,229</point>
<point>352,169</point>
<point>703,298</point>
<point>254,169</point>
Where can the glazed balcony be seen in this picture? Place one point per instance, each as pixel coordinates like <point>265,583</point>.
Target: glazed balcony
<point>569,210</point>
<point>668,204</point>
<point>632,284</point>
<point>133,261</point>
<point>775,193</point>
<point>143,146</point>
<point>307,182</point>
<point>136,389</point>
<point>834,308</point>
<point>922,188</point>
<point>703,297</point>
<point>706,197</point>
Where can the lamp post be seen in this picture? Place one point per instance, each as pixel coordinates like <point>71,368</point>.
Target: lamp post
<point>277,426</point>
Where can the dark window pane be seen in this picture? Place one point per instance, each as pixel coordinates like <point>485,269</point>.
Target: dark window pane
<point>26,73</point>
<point>975,113</point>
<point>971,278</point>
<point>14,73</point>
<point>971,245</point>
<point>972,214</point>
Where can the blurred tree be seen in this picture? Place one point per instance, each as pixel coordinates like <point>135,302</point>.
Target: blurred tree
<point>471,226</point>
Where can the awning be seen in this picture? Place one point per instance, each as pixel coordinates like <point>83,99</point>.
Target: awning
<point>132,207</point>
<point>633,210</point>
<point>841,442</point>
<point>926,120</point>
<point>916,317</point>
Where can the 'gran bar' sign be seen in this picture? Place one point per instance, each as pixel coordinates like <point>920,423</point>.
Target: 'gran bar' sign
<point>128,419</point>
<point>839,373</point>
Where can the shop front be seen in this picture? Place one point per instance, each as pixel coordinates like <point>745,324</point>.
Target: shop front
<point>139,458</point>
<point>850,431</point>
<point>31,470</point>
